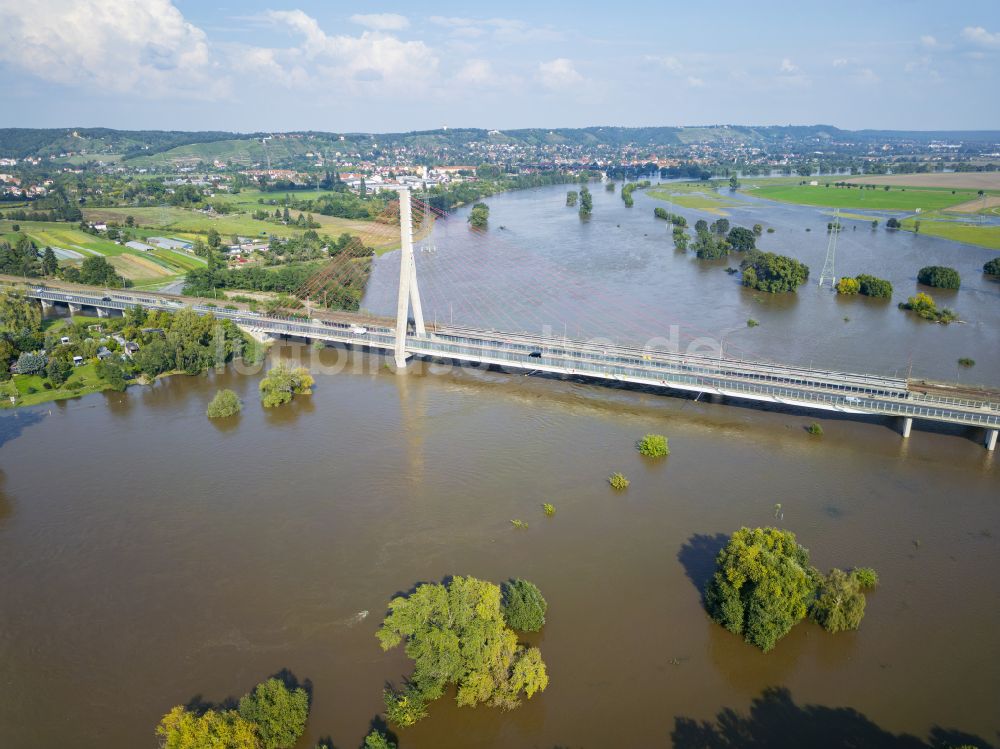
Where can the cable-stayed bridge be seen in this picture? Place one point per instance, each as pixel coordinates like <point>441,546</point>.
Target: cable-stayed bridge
<point>410,336</point>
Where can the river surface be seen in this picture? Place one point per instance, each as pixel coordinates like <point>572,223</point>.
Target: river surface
<point>617,276</point>
<point>150,557</point>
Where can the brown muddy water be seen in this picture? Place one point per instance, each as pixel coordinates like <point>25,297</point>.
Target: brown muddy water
<point>149,557</point>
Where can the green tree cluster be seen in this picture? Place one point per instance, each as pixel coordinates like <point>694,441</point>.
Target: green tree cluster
<point>939,276</point>
<point>877,288</point>
<point>992,267</point>
<point>523,605</point>
<point>586,202</point>
<point>282,383</point>
<point>272,716</point>
<point>773,273</point>
<point>675,218</point>
<point>277,711</point>
<point>456,634</point>
<point>764,584</point>
<point>680,239</point>
<point>226,403</point>
<point>571,197</point>
<point>479,217</point>
<point>742,239</point>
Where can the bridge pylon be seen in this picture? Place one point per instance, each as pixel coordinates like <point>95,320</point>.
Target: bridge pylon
<point>409,293</point>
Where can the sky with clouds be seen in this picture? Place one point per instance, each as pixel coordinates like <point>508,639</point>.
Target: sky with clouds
<point>393,66</point>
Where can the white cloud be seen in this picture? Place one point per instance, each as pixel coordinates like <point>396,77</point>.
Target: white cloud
<point>352,61</point>
<point>558,73</point>
<point>982,37</point>
<point>694,81</point>
<point>505,30</point>
<point>929,41</point>
<point>669,62</point>
<point>141,48</point>
<point>868,76</point>
<point>381,21</point>
<point>787,66</point>
<point>841,62</point>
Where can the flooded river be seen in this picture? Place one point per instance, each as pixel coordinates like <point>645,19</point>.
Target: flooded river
<point>618,276</point>
<point>149,557</point>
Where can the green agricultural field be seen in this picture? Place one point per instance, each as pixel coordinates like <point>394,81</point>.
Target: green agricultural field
<point>697,195</point>
<point>908,199</point>
<point>68,237</point>
<point>981,235</point>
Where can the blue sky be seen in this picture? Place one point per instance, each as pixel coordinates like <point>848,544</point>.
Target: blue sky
<point>393,66</point>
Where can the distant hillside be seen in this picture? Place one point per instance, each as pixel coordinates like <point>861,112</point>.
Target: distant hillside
<point>22,142</point>
<point>166,148</point>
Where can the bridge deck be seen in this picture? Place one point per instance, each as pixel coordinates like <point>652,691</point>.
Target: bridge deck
<point>794,386</point>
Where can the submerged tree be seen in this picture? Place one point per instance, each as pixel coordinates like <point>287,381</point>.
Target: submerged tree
<point>762,585</point>
<point>523,606</point>
<point>479,217</point>
<point>278,711</point>
<point>840,603</point>
<point>282,383</point>
<point>456,634</point>
<point>586,202</point>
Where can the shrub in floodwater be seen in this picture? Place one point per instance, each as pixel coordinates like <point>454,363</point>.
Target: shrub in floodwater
<point>840,604</point>
<point>652,446</point>
<point>278,711</point>
<point>377,740</point>
<point>549,509</point>
<point>618,481</point>
<point>966,362</point>
<point>519,523</point>
<point>523,606</point>
<point>815,429</point>
<point>866,577</point>
<point>225,403</point>
<point>751,323</point>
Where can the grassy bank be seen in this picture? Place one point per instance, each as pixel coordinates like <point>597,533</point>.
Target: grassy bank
<point>33,390</point>
<point>909,199</point>
<point>701,196</point>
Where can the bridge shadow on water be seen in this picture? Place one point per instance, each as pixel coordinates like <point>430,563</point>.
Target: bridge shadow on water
<point>775,721</point>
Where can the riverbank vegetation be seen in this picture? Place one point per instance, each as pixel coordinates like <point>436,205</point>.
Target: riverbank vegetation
<point>55,359</point>
<point>456,634</point>
<point>629,187</point>
<point>764,584</point>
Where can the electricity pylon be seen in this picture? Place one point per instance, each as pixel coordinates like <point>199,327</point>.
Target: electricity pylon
<point>828,273</point>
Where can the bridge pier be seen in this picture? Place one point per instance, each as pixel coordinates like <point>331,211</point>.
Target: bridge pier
<point>75,309</point>
<point>101,312</point>
<point>46,305</point>
<point>907,425</point>
<point>991,439</point>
